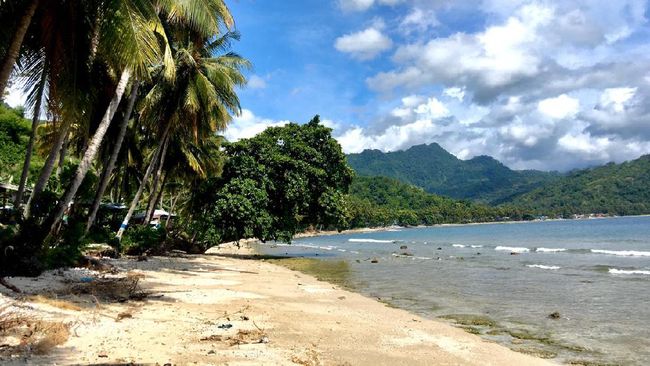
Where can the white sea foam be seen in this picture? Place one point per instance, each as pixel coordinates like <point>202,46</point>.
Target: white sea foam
<point>550,250</point>
<point>369,241</point>
<point>622,253</point>
<point>477,246</point>
<point>342,250</point>
<point>513,249</point>
<point>541,266</point>
<point>628,272</point>
<point>459,246</point>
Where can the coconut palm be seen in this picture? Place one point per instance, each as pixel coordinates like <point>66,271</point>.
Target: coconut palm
<point>132,40</point>
<point>28,10</point>
<point>199,103</point>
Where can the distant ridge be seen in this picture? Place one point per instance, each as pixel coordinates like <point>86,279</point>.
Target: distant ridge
<point>435,170</point>
<point>616,189</point>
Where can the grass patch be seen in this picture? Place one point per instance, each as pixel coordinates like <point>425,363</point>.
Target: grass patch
<point>536,352</point>
<point>470,320</point>
<point>61,304</point>
<point>336,272</point>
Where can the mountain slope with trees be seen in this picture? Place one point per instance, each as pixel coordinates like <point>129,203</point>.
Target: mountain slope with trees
<point>616,189</point>
<point>431,167</point>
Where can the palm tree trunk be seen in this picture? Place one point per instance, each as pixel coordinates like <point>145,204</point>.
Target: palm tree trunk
<point>62,153</point>
<point>158,195</point>
<point>46,172</point>
<point>106,175</point>
<point>14,47</point>
<point>151,207</point>
<point>90,153</point>
<point>138,194</point>
<point>32,137</point>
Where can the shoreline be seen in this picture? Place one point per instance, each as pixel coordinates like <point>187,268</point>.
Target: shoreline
<point>244,312</point>
<point>312,234</point>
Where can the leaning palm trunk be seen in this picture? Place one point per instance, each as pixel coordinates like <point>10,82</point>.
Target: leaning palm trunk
<point>106,175</point>
<point>62,154</point>
<point>151,208</point>
<point>155,202</point>
<point>14,47</point>
<point>138,194</point>
<point>89,154</point>
<point>46,172</point>
<point>32,137</point>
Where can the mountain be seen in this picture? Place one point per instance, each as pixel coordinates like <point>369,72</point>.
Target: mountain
<point>437,171</point>
<point>620,189</point>
<point>380,201</point>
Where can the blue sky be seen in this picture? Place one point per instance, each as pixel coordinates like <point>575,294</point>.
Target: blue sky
<point>537,84</point>
<point>550,85</point>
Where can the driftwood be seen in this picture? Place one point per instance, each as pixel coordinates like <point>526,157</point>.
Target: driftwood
<point>6,284</point>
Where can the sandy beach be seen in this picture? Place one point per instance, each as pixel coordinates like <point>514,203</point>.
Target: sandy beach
<point>214,309</point>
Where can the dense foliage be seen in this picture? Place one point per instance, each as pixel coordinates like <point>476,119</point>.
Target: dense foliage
<point>615,189</point>
<point>14,133</point>
<point>381,201</point>
<point>274,185</point>
<point>437,171</point>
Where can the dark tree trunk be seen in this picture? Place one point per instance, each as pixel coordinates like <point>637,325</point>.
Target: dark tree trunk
<point>89,154</point>
<point>108,170</point>
<point>151,207</point>
<point>138,194</point>
<point>32,137</point>
<point>14,47</point>
<point>46,172</point>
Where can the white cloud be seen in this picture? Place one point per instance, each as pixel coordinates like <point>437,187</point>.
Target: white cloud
<point>419,20</point>
<point>617,98</point>
<point>248,125</point>
<point>501,55</point>
<point>560,107</point>
<point>362,5</point>
<point>455,92</point>
<point>256,82</point>
<point>364,45</point>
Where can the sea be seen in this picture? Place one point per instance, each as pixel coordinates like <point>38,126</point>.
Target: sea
<point>567,290</point>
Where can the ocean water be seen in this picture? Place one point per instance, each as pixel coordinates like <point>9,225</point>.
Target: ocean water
<point>594,273</point>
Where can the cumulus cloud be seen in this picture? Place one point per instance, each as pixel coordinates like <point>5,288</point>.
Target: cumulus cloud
<point>364,45</point>
<point>362,5</point>
<point>560,107</point>
<point>248,125</point>
<point>256,82</point>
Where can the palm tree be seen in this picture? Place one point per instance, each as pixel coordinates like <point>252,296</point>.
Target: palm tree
<point>37,98</point>
<point>133,40</point>
<point>193,108</point>
<point>11,53</point>
<point>106,174</point>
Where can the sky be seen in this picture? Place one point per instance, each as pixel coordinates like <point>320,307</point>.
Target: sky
<point>551,85</point>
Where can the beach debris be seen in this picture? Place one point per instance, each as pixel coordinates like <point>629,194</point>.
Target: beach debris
<point>341,297</point>
<point>225,326</point>
<point>212,352</point>
<point>514,253</point>
<point>244,318</point>
<point>100,250</point>
<point>6,284</point>
<point>554,315</point>
<point>404,247</point>
<point>374,260</point>
<point>102,355</point>
<point>124,315</point>
<point>439,248</point>
<point>358,260</point>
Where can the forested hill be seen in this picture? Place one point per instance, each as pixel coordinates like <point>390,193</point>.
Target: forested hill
<point>620,189</point>
<point>437,171</point>
<point>381,201</point>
